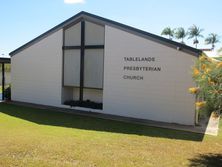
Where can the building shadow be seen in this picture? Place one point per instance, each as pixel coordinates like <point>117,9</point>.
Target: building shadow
<point>207,160</point>
<point>54,118</point>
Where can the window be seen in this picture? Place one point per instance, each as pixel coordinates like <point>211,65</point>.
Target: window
<point>72,68</point>
<point>84,59</point>
<point>93,68</point>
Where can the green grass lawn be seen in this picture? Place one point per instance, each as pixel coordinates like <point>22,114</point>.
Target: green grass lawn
<point>39,137</point>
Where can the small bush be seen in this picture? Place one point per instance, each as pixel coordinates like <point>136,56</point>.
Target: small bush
<point>86,104</point>
<point>207,74</point>
<point>8,93</point>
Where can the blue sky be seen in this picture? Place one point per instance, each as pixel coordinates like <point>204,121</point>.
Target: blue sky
<point>23,20</point>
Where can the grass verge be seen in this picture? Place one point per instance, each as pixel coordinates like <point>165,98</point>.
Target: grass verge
<point>39,137</point>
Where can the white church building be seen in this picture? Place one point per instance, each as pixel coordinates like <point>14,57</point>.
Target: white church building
<point>98,65</point>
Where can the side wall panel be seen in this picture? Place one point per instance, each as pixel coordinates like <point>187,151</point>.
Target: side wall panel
<point>160,95</point>
<point>37,72</point>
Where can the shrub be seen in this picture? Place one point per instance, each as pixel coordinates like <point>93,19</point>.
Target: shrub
<point>207,73</point>
<point>87,104</point>
<point>8,93</point>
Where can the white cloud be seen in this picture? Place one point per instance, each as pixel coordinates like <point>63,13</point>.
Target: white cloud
<point>74,1</point>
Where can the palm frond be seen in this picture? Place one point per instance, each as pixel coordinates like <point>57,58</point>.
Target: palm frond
<point>180,33</point>
<point>208,40</point>
<point>194,31</point>
<point>168,31</point>
<point>212,39</point>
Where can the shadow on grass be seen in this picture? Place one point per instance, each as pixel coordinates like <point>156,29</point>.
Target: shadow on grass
<point>207,160</point>
<point>47,117</point>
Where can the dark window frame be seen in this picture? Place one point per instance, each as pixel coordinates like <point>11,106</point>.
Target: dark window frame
<point>82,49</point>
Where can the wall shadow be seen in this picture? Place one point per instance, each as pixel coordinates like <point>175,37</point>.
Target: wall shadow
<point>53,118</point>
<point>207,160</point>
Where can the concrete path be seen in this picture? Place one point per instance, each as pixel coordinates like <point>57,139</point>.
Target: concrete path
<point>213,126</point>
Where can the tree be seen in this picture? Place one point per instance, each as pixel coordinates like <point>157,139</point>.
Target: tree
<point>220,50</point>
<point>195,32</point>
<point>219,53</point>
<point>207,75</point>
<point>212,39</point>
<point>180,33</point>
<point>168,32</point>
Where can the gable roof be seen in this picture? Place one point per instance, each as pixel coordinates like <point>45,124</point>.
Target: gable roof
<point>100,20</point>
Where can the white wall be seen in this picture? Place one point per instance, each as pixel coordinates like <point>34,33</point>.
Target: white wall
<point>37,72</point>
<point>161,96</point>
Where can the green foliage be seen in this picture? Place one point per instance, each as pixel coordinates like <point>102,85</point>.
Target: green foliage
<point>212,39</point>
<point>180,33</point>
<point>208,76</point>
<point>168,32</point>
<point>7,67</point>
<point>206,111</point>
<point>8,93</point>
<point>218,58</point>
<point>194,32</point>
<point>219,50</point>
